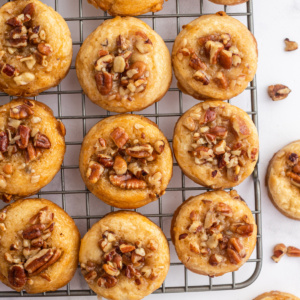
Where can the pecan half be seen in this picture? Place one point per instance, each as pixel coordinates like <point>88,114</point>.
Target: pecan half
<point>24,133</point>
<point>290,45</point>
<point>16,276</point>
<point>33,231</point>
<point>38,260</point>
<point>127,182</point>
<point>119,136</point>
<point>279,251</point>
<point>20,112</point>
<point>278,92</point>
<point>104,82</point>
<point>140,151</point>
<point>55,257</point>
<point>3,141</point>
<point>42,141</point>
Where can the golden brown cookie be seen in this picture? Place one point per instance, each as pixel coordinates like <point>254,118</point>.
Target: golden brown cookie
<point>228,2</point>
<point>35,48</point>
<point>128,7</point>
<point>214,233</point>
<point>32,148</point>
<point>124,256</point>
<point>124,65</point>
<point>126,155</point>
<point>283,180</point>
<point>214,57</point>
<point>39,246</point>
<point>216,144</point>
<point>275,295</point>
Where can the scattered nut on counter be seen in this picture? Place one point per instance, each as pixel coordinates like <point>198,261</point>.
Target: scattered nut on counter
<point>280,250</point>
<point>278,92</point>
<point>290,45</point>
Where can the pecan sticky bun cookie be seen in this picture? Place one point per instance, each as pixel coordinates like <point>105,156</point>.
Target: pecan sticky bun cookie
<point>124,65</point>
<point>216,144</point>
<point>214,233</point>
<point>283,180</point>
<point>214,57</point>
<point>124,256</point>
<point>276,295</point>
<point>128,7</point>
<point>228,2</point>
<point>35,48</point>
<point>126,155</point>
<point>32,148</point>
<point>39,246</point>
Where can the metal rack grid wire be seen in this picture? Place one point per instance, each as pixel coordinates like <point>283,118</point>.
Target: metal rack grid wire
<point>183,188</point>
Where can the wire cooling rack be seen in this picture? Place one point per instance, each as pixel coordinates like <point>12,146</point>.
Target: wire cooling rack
<point>79,114</point>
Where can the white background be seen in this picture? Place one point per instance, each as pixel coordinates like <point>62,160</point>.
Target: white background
<point>278,125</point>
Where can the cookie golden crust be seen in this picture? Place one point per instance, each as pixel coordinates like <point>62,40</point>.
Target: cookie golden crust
<point>228,2</point>
<point>214,57</point>
<point>39,246</point>
<point>32,148</point>
<point>216,144</point>
<point>127,155</point>
<point>275,295</point>
<point>124,256</point>
<point>128,8</point>
<point>35,48</point>
<point>214,233</point>
<point>283,180</point>
<point>124,65</point>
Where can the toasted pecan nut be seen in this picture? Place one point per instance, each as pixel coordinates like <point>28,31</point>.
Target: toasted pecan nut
<point>290,45</point>
<point>28,11</point>
<point>8,70</point>
<point>210,115</point>
<point>225,59</point>
<point>14,22</point>
<point>20,112</point>
<point>17,276</point>
<point>94,172</point>
<point>219,131</point>
<point>104,82</point>
<point>183,236</point>
<point>245,230</point>
<point>105,160</point>
<point>215,259</point>
<point>33,231</point>
<point>221,80</point>
<point>224,209</point>
<point>127,182</point>
<point>293,251</point>
<point>140,67</point>
<point>140,151</point>
<point>45,49</point>
<point>125,248</point>
<point>38,260</point>
<point>294,177</point>
<point>31,153</point>
<point>278,92</point>
<point>120,165</point>
<point>196,63</point>
<point>42,141</point>
<point>3,141</point>
<point>24,133</point>
<point>119,136</point>
<point>279,251</point>
<point>233,256</point>
<point>107,281</point>
<point>201,76</point>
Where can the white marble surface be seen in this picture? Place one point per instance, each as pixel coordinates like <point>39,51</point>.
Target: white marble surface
<point>278,125</point>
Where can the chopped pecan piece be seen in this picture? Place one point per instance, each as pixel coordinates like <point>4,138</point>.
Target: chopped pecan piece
<point>293,251</point>
<point>233,256</point>
<point>295,178</point>
<point>279,251</point>
<point>105,160</point>
<point>221,80</point>
<point>278,92</point>
<point>127,182</point>
<point>119,136</point>
<point>237,246</point>
<point>189,123</point>
<point>219,131</point>
<point>140,67</point>
<point>214,49</point>
<point>20,112</point>
<point>55,257</point>
<point>196,63</point>
<point>3,141</point>
<point>245,230</point>
<point>120,165</point>
<point>14,22</point>
<point>90,276</point>
<point>30,153</point>
<point>8,70</point>
<point>104,82</point>
<point>292,159</point>
<point>290,45</point>
<point>107,281</point>
<point>44,49</point>
<point>215,259</point>
<point>94,172</point>
<point>16,276</point>
<point>42,141</point>
<point>140,151</point>
<point>28,12</point>
<point>240,127</point>
<point>110,269</point>
<point>38,260</point>
<point>159,146</point>
<point>225,59</point>
<point>24,133</point>
<point>210,115</point>
<point>143,43</point>
<point>224,209</point>
<point>183,236</point>
<point>200,76</point>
